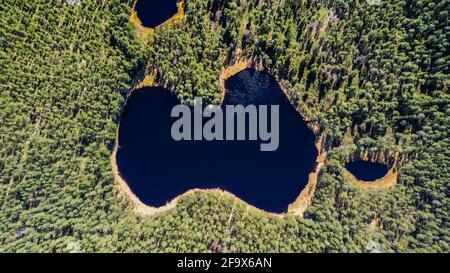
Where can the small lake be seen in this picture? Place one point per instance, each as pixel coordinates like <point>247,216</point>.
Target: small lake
<point>366,170</point>
<point>152,13</point>
<point>158,169</point>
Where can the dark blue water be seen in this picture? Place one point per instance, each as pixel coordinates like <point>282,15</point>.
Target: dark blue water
<point>366,170</point>
<point>152,13</point>
<point>159,169</point>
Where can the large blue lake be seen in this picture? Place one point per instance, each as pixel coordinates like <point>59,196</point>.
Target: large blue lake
<point>158,168</point>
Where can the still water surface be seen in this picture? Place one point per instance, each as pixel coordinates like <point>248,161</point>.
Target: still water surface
<point>152,13</point>
<point>158,169</point>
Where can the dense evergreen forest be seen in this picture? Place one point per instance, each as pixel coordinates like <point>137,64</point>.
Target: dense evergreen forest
<point>375,77</point>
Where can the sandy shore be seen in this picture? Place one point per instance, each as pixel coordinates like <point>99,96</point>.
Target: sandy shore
<point>387,181</point>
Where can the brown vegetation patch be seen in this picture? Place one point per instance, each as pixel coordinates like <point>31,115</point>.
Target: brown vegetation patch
<point>148,81</point>
<point>392,159</point>
<point>387,181</point>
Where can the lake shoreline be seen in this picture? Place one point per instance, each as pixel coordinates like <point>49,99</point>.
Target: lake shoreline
<point>297,207</point>
<point>143,31</point>
<point>389,180</point>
